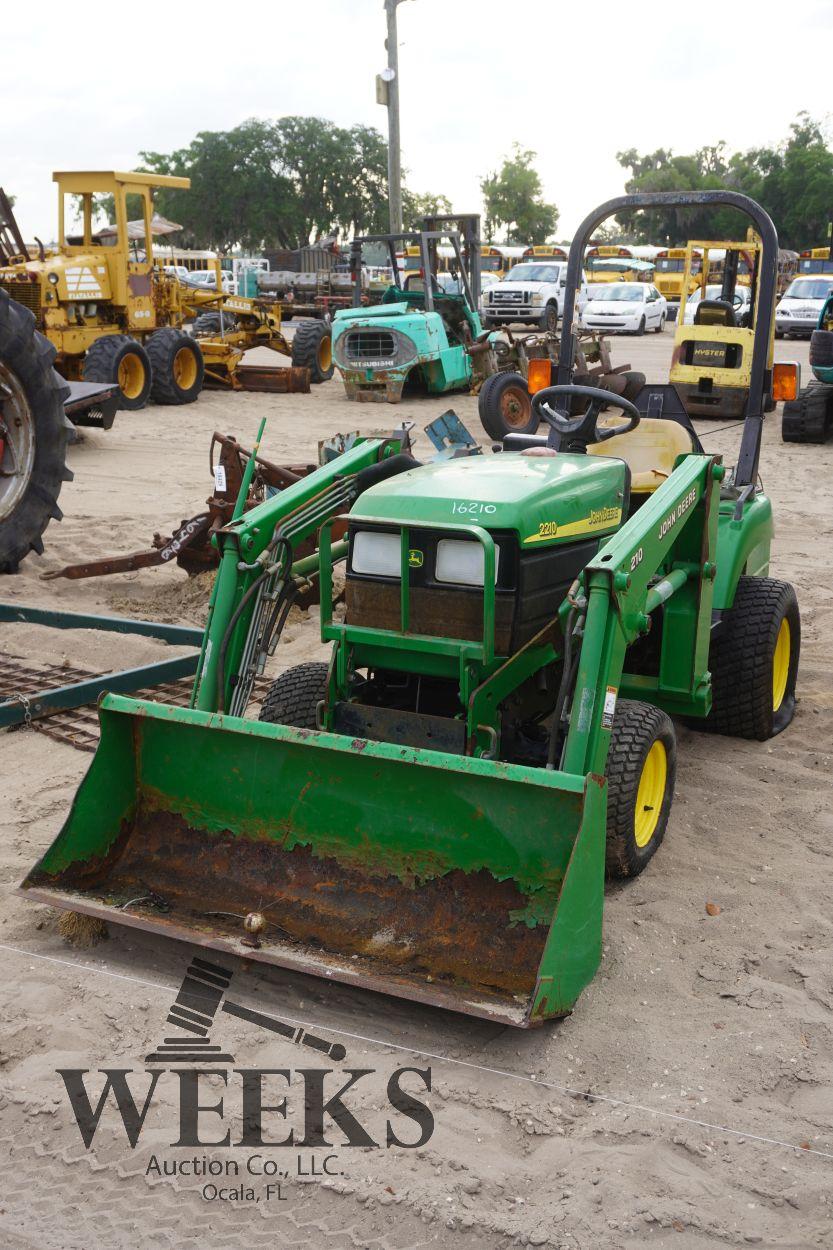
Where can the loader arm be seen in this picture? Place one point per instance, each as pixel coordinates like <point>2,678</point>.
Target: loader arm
<point>663,556</point>
<point>256,557</point>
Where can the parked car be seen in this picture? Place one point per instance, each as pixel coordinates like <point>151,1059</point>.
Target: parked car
<point>180,271</point>
<point>532,293</point>
<point>626,308</point>
<point>207,277</point>
<point>798,310</point>
<point>742,302</point>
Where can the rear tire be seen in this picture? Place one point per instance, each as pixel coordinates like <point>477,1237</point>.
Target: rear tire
<point>293,698</point>
<point>32,406</point>
<point>754,661</point>
<point>312,348</point>
<point>177,367</point>
<point>821,349</point>
<point>121,359</point>
<point>809,418</point>
<point>549,318</point>
<point>210,323</point>
<point>505,407</point>
<point>641,770</point>
<point>661,325</point>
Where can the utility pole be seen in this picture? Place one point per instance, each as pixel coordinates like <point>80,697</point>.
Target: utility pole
<point>390,94</point>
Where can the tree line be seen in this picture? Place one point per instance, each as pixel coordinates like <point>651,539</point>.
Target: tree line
<point>281,184</point>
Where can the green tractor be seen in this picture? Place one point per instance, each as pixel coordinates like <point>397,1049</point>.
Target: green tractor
<point>809,418</point>
<point>432,813</point>
<point>421,331</point>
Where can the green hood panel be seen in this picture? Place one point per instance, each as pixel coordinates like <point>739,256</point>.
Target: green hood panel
<point>543,499</point>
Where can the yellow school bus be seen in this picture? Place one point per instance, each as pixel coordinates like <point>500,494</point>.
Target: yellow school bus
<point>816,260</point>
<point>546,251</point>
<point>499,258</point>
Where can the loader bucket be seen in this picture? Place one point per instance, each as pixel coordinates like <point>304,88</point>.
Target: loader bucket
<point>464,883</point>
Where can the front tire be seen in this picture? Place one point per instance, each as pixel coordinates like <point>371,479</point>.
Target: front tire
<point>641,770</point>
<point>121,359</point>
<point>505,407</point>
<point>312,348</point>
<point>754,661</point>
<point>640,329</point>
<point>33,446</point>
<point>177,367</point>
<point>293,698</point>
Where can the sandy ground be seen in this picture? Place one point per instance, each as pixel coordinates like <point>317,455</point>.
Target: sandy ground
<point>700,1059</point>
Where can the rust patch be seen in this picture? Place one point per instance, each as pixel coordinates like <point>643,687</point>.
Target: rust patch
<point>454,929</point>
<point>139,285</point>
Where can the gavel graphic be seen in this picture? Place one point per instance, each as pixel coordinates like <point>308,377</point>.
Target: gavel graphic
<point>195,1007</point>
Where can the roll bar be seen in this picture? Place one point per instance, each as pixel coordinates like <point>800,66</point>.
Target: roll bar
<point>746,470</point>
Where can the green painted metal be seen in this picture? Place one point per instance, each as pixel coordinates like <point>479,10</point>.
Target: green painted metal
<point>79,693</point>
<point>543,500</point>
<point>509,832</point>
<point>743,545</point>
<point>59,619</point>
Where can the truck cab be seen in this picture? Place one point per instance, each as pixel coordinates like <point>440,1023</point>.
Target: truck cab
<point>531,294</point>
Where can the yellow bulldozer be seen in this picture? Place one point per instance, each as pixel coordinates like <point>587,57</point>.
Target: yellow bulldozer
<point>115,314</point>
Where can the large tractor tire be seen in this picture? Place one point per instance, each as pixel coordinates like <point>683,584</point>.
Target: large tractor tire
<point>215,323</point>
<point>121,359</point>
<point>641,770</point>
<point>754,661</point>
<point>34,432</point>
<point>809,418</point>
<point>177,367</point>
<point>312,348</point>
<point>293,698</point>
<point>505,407</point>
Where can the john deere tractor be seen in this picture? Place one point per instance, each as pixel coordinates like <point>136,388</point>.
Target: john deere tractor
<point>114,315</point>
<point>809,417</point>
<point>432,813</point>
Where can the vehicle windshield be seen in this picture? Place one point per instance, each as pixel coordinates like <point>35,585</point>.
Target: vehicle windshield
<point>626,292</point>
<point>713,292</point>
<point>809,288</point>
<point>532,273</point>
<point>613,264</point>
<point>670,264</point>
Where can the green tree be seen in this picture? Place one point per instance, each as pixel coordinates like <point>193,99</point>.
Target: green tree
<point>512,199</point>
<point>415,206</point>
<point>793,181</point>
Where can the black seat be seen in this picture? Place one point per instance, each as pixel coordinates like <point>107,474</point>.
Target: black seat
<point>714,312</point>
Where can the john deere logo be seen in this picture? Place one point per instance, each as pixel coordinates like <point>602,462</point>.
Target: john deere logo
<point>415,559</point>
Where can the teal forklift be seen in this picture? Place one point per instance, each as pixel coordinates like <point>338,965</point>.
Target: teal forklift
<point>419,335</point>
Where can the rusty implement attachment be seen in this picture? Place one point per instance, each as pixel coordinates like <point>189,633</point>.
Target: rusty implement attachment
<point>459,882</point>
<point>224,369</point>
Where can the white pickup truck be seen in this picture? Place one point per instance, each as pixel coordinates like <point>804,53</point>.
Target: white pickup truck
<point>532,293</point>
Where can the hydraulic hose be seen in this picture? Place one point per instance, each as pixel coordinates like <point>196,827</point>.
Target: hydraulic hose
<point>568,674</point>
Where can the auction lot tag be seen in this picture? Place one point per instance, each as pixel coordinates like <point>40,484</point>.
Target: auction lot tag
<point>220,477</point>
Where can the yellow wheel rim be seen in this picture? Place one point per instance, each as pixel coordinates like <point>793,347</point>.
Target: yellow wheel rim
<point>131,375</point>
<point>185,368</point>
<point>325,354</point>
<point>651,794</point>
<point>781,664</point>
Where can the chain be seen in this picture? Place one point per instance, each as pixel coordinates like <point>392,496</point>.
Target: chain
<point>27,709</point>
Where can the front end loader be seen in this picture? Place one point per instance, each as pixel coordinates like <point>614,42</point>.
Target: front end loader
<point>432,813</point>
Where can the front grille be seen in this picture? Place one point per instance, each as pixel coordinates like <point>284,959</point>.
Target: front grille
<point>26,293</point>
<point>370,345</point>
<point>509,297</point>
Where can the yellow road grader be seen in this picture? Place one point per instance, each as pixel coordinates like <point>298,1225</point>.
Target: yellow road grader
<point>115,315</point>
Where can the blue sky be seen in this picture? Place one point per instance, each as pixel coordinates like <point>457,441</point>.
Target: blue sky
<point>576,83</point>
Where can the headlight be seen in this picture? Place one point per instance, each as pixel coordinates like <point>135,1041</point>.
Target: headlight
<point>537,298</point>
<point>377,553</point>
<point>53,278</point>
<point>461,562</point>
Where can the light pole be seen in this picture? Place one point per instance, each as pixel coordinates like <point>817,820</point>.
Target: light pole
<point>387,92</point>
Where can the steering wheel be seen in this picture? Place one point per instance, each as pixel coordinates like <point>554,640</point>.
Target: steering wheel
<point>574,434</point>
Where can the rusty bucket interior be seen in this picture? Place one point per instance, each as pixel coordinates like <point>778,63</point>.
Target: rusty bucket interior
<point>460,882</point>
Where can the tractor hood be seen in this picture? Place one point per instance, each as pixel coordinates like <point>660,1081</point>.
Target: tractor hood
<point>71,276</point>
<point>544,500</point>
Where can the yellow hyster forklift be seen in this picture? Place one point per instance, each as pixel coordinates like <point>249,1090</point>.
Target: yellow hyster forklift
<point>711,365</point>
<point>114,314</point>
